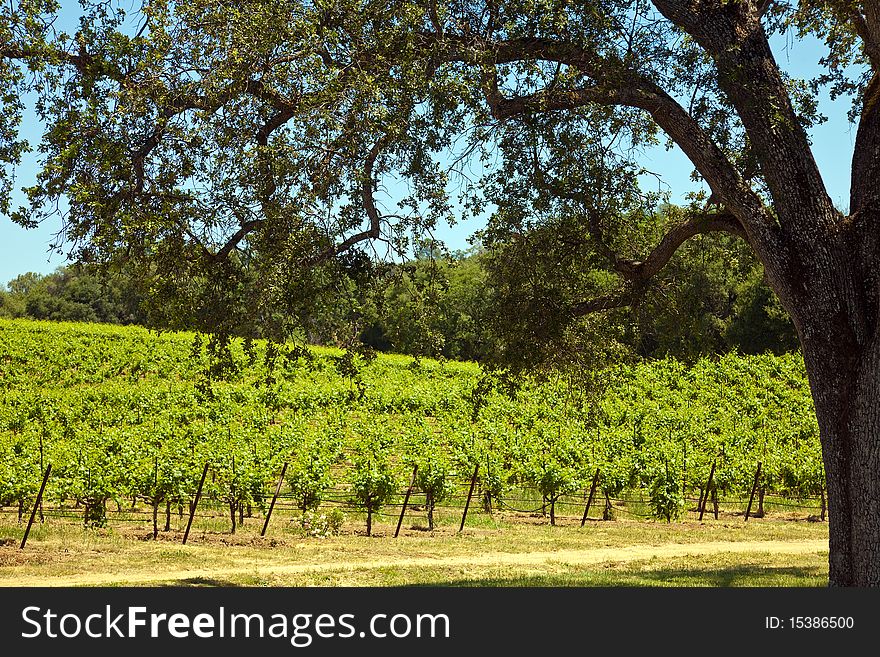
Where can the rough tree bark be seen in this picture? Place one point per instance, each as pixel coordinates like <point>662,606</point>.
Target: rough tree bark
<point>845,383</point>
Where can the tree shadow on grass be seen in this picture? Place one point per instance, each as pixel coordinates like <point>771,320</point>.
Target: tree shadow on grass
<point>740,576</point>
<point>203,581</point>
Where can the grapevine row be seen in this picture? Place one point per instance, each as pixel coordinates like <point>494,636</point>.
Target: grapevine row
<point>122,414</point>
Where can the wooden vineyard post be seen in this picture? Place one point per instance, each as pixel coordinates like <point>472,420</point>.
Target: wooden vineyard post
<point>42,517</point>
<point>754,488</point>
<point>708,488</point>
<point>192,511</point>
<point>274,498</point>
<point>470,494</point>
<point>406,500</point>
<point>488,501</point>
<point>590,498</point>
<point>37,504</point>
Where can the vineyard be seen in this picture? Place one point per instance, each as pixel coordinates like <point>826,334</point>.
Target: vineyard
<point>144,425</point>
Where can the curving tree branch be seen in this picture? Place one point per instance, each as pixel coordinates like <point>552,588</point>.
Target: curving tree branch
<point>638,273</point>
<point>732,34</point>
<point>636,91</point>
<point>368,183</point>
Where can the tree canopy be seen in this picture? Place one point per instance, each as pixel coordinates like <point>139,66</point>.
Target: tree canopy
<point>232,143</point>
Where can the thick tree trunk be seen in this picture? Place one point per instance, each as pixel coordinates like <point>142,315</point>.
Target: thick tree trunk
<point>845,383</point>
<point>852,466</point>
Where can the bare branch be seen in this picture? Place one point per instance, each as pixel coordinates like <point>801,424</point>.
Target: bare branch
<point>436,23</point>
<point>732,34</point>
<point>471,49</point>
<point>246,228</point>
<point>268,186</point>
<point>865,174</point>
<point>375,219</point>
<point>613,85</point>
<point>670,243</point>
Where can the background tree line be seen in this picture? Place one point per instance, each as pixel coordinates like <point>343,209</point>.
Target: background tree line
<point>712,299</point>
<point>72,294</point>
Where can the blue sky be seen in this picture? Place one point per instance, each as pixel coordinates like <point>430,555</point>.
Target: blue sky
<point>28,250</point>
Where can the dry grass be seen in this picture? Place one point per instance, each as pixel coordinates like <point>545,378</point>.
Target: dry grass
<point>497,550</point>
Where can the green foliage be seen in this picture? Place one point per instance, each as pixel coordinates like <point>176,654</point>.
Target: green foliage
<point>444,306</point>
<point>72,294</point>
<point>667,501</point>
<point>434,306</point>
<point>236,478</point>
<point>309,474</point>
<point>350,365</point>
<point>552,462</point>
<point>119,414</point>
<point>434,476</point>
<point>759,323</point>
<point>19,472</point>
<point>236,201</point>
<point>373,484</point>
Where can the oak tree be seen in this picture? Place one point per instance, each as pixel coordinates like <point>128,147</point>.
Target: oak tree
<point>216,146</point>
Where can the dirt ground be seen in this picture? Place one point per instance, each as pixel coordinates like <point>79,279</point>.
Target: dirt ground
<point>571,557</point>
<point>128,555</point>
